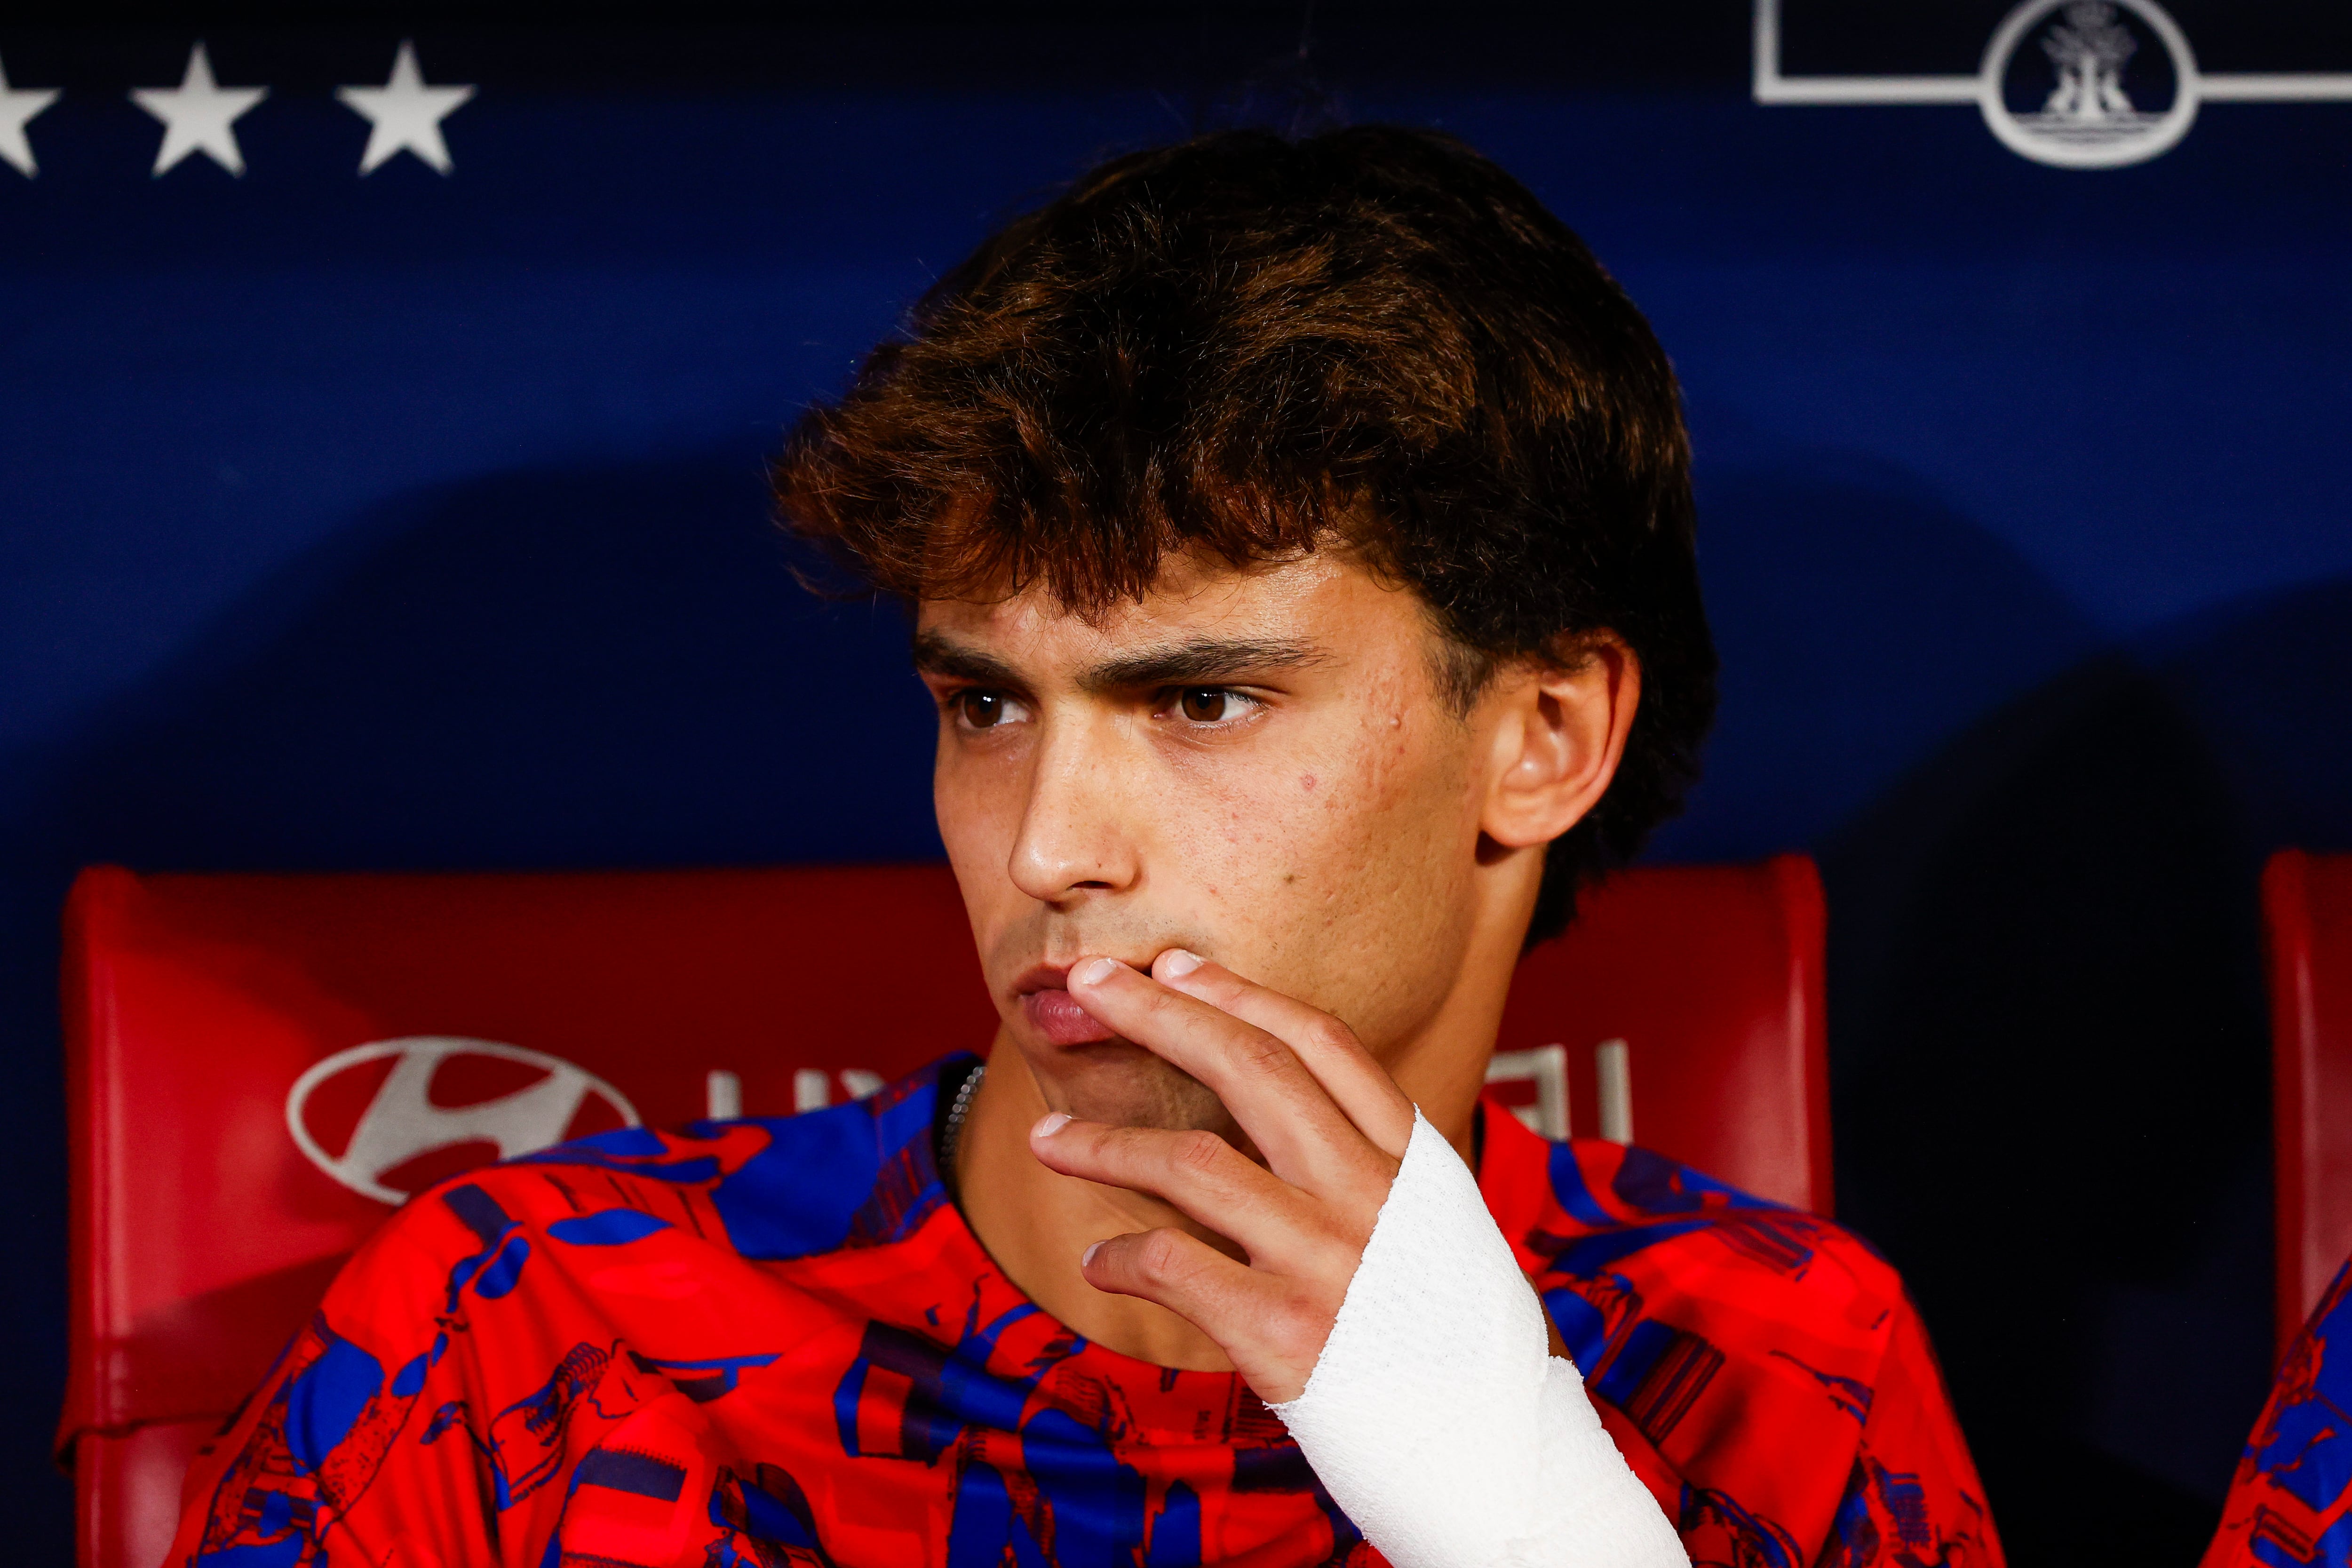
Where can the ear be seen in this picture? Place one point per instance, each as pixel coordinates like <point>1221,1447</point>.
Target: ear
<point>1557,738</point>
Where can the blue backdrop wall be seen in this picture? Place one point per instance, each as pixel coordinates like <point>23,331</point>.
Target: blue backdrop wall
<point>416,520</point>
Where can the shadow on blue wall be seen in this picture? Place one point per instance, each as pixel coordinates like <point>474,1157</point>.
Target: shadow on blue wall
<point>2269,680</point>
<point>2050,1092</point>
<point>2046,1019</point>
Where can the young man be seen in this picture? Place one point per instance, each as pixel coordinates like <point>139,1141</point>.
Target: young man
<point>1299,539</point>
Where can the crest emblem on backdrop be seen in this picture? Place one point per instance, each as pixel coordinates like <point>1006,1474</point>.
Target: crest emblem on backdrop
<point>2078,84</point>
<point>391,1117</point>
<point>2087,118</point>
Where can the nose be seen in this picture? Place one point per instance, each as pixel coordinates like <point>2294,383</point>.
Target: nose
<point>1078,831</point>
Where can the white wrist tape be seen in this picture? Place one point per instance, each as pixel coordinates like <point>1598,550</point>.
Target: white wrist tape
<point>1436,1415</point>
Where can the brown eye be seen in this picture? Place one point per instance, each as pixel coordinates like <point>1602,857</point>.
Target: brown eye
<point>980,708</point>
<point>1206,704</point>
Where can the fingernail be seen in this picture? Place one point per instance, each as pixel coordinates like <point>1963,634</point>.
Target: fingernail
<point>1053,1121</point>
<point>1088,1255</point>
<point>1176,964</point>
<point>1094,971</point>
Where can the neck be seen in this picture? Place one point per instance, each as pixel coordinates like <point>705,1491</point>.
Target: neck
<point>1035,1223</point>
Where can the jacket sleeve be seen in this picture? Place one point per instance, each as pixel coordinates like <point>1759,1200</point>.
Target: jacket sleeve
<point>1913,1495</point>
<point>2291,1499</point>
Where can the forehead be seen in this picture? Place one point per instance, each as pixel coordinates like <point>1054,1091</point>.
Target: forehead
<point>1325,600</point>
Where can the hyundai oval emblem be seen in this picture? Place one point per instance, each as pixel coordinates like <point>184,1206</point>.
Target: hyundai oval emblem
<point>400,1123</point>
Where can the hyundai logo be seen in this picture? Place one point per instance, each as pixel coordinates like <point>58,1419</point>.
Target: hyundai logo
<point>517,1102</point>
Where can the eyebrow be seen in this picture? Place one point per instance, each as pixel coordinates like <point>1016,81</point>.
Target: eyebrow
<point>935,655</point>
<point>1198,661</point>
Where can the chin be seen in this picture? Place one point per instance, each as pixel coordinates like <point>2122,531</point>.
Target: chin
<point>1126,1085</point>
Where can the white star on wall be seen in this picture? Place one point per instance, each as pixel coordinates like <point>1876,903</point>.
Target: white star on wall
<point>404,115</point>
<point>18,105</point>
<point>199,115</point>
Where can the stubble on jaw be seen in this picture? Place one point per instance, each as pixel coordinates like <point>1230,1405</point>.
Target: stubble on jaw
<point>1124,1084</point>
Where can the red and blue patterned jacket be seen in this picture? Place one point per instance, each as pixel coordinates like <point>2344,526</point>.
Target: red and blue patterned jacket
<point>765,1342</point>
<point>2290,1505</point>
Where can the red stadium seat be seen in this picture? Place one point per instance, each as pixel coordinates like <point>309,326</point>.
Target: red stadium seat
<point>2307,942</point>
<point>259,1067</point>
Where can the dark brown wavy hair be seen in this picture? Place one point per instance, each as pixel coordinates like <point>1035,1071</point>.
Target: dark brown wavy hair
<point>1256,347</point>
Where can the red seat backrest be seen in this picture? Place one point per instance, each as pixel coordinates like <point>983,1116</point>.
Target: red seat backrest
<point>2307,944</point>
<point>1712,977</point>
<point>255,1063</point>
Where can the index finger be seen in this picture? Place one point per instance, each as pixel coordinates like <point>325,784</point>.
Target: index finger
<point>1326,1047</point>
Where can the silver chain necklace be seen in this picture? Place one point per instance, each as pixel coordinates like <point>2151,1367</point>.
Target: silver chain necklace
<point>951,1135</point>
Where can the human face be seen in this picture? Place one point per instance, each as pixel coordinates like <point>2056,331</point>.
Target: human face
<point>1258,766</point>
